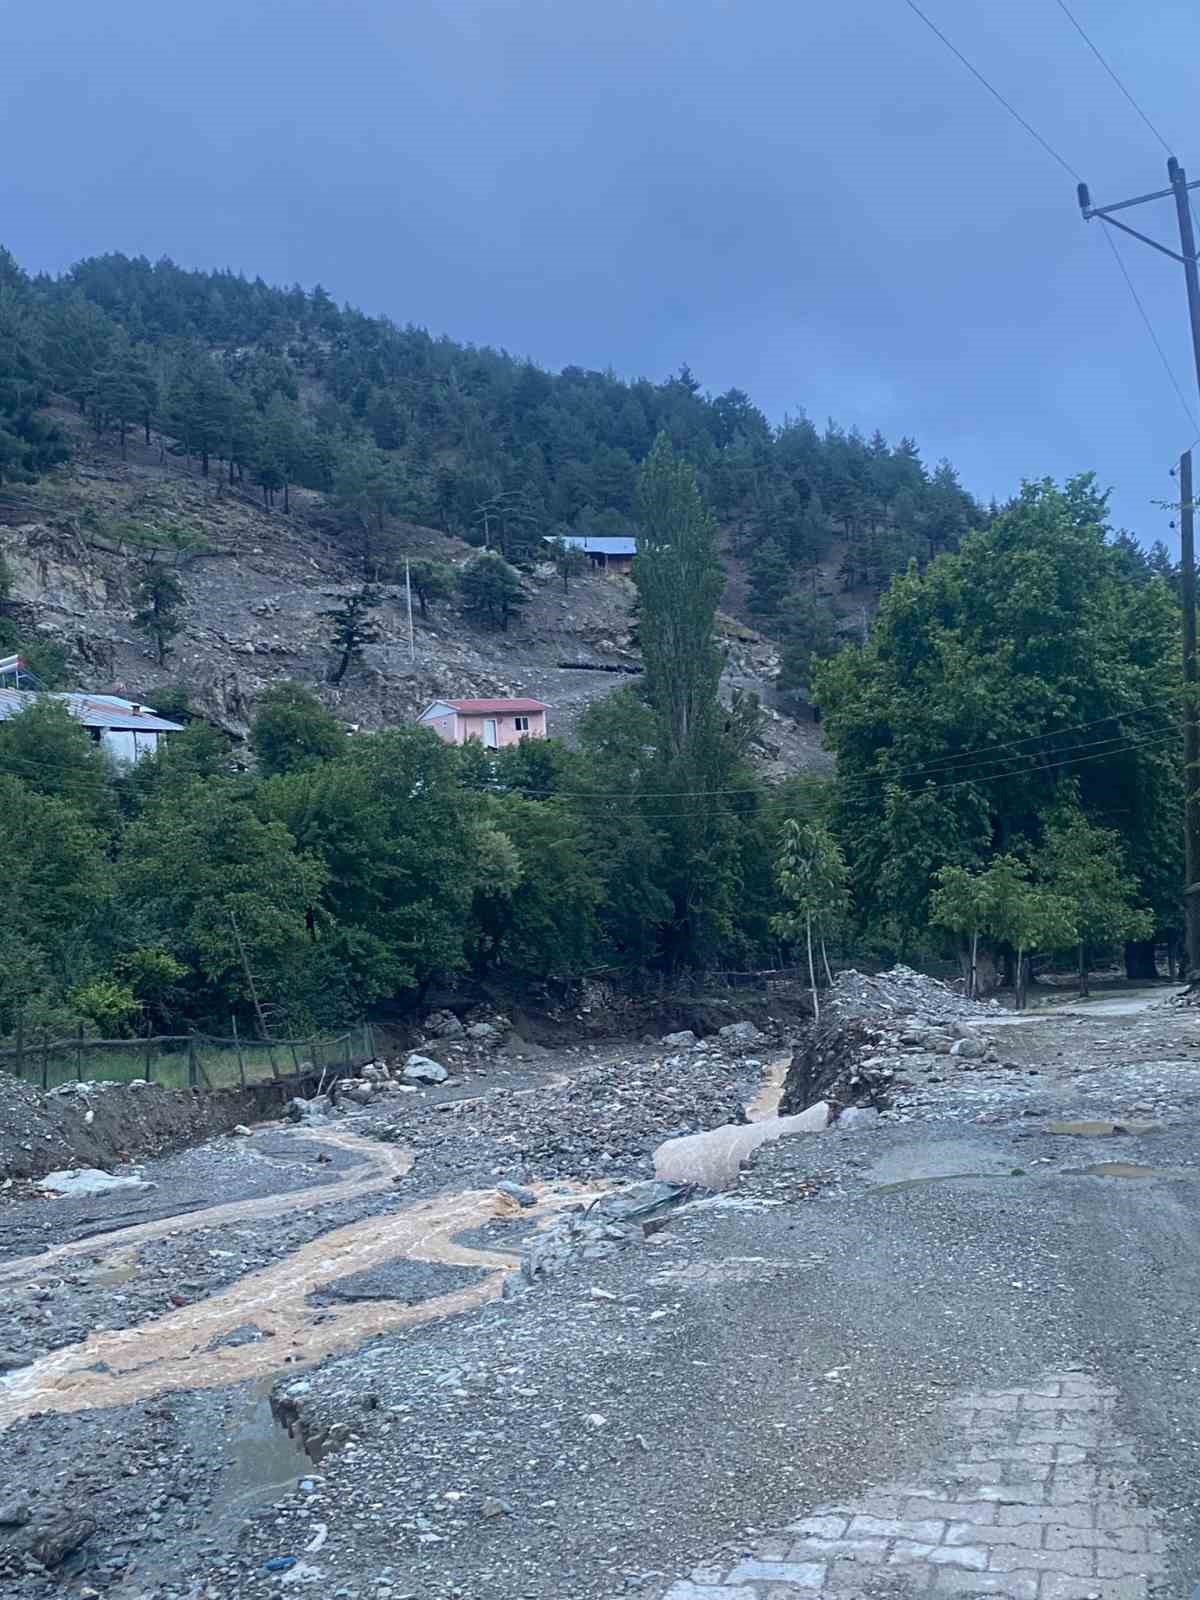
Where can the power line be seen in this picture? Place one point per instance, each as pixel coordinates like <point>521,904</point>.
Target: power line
<point>1137,300</point>
<point>1079,29</point>
<point>994,92</point>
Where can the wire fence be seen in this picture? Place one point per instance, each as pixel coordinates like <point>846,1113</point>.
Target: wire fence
<point>186,1060</point>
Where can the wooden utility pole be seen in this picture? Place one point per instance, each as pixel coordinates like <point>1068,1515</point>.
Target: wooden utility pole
<point>1191,719</point>
<point>1186,256</point>
<point>412,638</point>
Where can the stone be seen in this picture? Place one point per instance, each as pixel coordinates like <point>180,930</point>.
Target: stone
<point>969,1049</point>
<point>14,1512</point>
<point>514,1191</point>
<point>484,1033</point>
<point>443,1025</point>
<point>376,1072</point>
<point>357,1090</point>
<point>54,1539</point>
<point>422,1069</point>
<point>75,1181</point>
<point>314,1110</point>
<point>10,1360</point>
<point>740,1033</point>
<point>857,1117</point>
<point>492,1507</point>
<point>683,1040</point>
<point>241,1131</point>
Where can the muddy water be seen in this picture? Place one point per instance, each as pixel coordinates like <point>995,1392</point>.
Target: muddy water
<point>175,1351</point>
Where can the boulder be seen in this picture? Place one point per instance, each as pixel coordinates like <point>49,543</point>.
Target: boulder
<point>740,1033</point>
<point>443,1025</point>
<point>514,1191</point>
<point>376,1072</point>
<point>484,1033</point>
<point>683,1040</point>
<point>356,1090</point>
<point>76,1181</point>
<point>314,1110</point>
<point>423,1069</point>
<point>857,1117</point>
<point>969,1049</point>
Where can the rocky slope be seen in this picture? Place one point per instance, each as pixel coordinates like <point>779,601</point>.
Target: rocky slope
<point>258,583</point>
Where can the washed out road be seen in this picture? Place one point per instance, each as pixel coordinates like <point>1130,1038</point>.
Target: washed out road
<point>954,1353</point>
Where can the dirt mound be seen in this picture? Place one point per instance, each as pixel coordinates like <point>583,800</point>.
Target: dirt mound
<point>102,1124</point>
<point>901,992</point>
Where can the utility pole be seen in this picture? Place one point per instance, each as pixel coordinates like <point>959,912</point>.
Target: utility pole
<point>1186,256</point>
<point>412,638</point>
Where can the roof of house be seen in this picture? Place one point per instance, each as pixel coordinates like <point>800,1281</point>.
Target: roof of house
<point>487,708</point>
<point>92,710</point>
<point>600,544</point>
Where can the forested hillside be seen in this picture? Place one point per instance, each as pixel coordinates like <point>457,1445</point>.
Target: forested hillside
<point>281,387</point>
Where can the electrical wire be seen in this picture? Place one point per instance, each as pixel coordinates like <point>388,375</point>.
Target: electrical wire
<point>1137,300</point>
<point>994,92</point>
<point>1079,29</point>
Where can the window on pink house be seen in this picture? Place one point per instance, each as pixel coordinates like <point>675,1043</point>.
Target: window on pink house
<point>521,724</point>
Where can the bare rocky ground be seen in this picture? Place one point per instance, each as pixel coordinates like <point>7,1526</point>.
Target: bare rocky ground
<point>948,1351</point>
<point>258,583</point>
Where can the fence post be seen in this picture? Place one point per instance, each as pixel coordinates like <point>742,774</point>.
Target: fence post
<point>295,1060</point>
<point>20,1047</point>
<point>149,1054</point>
<point>237,1041</point>
<point>79,1056</point>
<point>370,1040</point>
<point>191,1060</point>
<point>347,1054</point>
<point>45,1060</point>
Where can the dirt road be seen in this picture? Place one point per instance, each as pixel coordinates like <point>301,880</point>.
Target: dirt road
<point>953,1353</point>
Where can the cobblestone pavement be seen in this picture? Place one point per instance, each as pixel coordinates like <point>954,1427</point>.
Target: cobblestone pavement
<point>1037,1501</point>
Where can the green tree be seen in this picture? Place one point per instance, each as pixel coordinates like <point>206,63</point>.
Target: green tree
<point>200,859</point>
<point>160,602</point>
<point>812,881</point>
<point>54,893</point>
<point>54,755</point>
<point>353,628</point>
<point>292,731</point>
<point>123,392</point>
<point>1084,866</point>
<point>492,589</point>
<point>394,833</point>
<point>569,562</point>
<point>809,637</point>
<point>771,577</point>
<point>431,581</point>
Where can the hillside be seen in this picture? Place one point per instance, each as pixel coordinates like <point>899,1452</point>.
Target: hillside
<point>258,588</point>
<point>287,451</point>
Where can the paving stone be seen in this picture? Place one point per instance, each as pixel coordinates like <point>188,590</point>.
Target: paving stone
<point>949,1510</point>
<point>1061,1586</point>
<point>1122,1563</point>
<point>771,1549</point>
<point>1041,1453</point>
<point>1013,1494</point>
<point>1005,1558</point>
<point>964,1555</point>
<point>1027,1535</point>
<point>865,1550</point>
<point>821,1527</point>
<point>1056,1516</point>
<point>1096,1539</point>
<point>1001,1471</point>
<point>804,1574</point>
<point>1108,1516</point>
<point>926,1532</point>
<point>1013,1585</point>
<point>707,1591</point>
<point>909,1550</point>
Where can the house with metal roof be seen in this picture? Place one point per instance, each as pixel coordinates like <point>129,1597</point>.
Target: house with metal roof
<point>495,723</point>
<point>607,551</point>
<point>125,729</point>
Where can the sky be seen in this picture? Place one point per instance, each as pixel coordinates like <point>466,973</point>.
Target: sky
<point>814,203</point>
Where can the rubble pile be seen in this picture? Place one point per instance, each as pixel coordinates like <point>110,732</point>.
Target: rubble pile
<point>902,993</point>
<point>607,1119</point>
<point>590,1233</point>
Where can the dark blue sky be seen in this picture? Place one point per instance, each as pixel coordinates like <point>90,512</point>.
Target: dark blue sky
<point>815,203</point>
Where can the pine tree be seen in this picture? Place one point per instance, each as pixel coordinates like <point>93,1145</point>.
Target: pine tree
<point>493,589</point>
<point>353,628</point>
<point>161,601</point>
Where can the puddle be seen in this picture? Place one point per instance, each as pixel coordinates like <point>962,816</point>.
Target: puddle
<point>264,1458</point>
<point>942,1177</point>
<point>1116,1169</point>
<point>1101,1130</point>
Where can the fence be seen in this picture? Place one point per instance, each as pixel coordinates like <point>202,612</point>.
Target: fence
<point>187,1060</point>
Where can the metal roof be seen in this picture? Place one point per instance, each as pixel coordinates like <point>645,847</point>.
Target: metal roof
<point>600,544</point>
<point>92,710</point>
<point>488,708</point>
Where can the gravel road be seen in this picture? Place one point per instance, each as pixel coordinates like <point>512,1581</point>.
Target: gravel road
<point>951,1352</point>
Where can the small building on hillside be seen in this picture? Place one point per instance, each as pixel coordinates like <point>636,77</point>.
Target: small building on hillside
<point>608,552</point>
<point>495,723</point>
<point>124,729</point>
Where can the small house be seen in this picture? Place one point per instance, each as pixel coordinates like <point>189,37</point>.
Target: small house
<point>495,723</point>
<point>607,552</point>
<point>125,729</point>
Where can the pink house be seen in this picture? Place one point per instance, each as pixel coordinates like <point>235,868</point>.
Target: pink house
<point>495,723</point>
